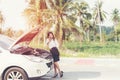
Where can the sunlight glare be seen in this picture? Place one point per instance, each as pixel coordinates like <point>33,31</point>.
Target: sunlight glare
<point>12,12</point>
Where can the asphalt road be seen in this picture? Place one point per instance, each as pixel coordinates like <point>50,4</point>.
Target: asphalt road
<point>87,69</point>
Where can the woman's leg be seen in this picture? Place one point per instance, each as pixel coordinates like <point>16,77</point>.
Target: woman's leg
<point>57,66</point>
<point>55,69</point>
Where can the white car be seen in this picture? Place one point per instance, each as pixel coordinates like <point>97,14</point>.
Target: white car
<point>21,62</point>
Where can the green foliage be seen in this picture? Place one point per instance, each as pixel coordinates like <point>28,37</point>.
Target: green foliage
<point>92,49</point>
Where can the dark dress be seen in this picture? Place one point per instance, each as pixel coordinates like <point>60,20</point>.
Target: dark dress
<point>55,54</point>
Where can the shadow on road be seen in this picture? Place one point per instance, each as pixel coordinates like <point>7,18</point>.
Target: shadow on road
<point>40,78</point>
<point>72,76</point>
<point>81,75</point>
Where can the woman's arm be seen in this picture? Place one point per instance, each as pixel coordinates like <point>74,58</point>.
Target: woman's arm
<point>47,41</point>
<point>57,44</point>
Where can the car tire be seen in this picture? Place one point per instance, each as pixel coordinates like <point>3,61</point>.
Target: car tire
<point>15,73</point>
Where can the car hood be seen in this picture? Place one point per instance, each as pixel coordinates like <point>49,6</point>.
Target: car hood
<point>27,37</point>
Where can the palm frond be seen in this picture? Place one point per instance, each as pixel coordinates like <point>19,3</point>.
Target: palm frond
<point>71,26</point>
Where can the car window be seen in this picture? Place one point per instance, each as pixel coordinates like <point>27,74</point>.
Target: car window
<point>4,45</point>
<point>1,50</point>
<point>5,42</point>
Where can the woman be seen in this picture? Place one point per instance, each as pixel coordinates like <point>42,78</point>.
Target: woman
<point>53,46</point>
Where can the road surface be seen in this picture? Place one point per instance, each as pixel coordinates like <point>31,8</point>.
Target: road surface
<point>87,69</point>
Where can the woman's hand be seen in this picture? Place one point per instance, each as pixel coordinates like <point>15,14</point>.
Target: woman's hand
<point>48,41</point>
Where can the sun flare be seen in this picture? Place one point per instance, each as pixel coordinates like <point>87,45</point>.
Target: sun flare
<point>12,12</point>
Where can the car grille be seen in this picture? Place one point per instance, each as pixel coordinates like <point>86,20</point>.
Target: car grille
<point>49,64</point>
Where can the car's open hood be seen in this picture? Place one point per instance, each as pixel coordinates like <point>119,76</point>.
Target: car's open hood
<point>27,37</point>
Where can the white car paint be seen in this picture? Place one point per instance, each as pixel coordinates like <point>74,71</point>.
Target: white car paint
<point>33,69</point>
<point>34,66</point>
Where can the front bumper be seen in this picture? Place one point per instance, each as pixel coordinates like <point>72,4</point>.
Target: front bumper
<point>49,64</point>
<point>39,69</point>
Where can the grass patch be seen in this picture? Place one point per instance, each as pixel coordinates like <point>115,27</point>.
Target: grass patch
<point>86,49</point>
<point>91,49</point>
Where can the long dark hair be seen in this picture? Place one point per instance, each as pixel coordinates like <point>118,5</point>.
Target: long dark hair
<point>49,35</point>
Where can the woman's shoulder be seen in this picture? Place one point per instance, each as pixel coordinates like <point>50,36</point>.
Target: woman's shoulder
<point>55,40</point>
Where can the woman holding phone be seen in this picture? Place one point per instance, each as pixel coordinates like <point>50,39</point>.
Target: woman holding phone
<point>53,46</point>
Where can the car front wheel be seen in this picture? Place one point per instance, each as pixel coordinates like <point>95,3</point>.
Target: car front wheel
<point>15,73</point>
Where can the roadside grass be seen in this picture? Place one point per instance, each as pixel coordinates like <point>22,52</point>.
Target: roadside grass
<point>91,49</point>
<point>87,49</point>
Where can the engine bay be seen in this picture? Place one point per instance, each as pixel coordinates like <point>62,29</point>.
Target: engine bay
<point>32,51</point>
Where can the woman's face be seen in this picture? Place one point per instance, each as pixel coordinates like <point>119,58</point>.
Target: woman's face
<point>51,35</point>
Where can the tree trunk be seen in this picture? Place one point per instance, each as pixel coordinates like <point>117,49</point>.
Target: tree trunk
<point>94,36</point>
<point>100,32</point>
<point>115,33</point>
<point>94,33</point>
<point>60,35</point>
<point>81,22</point>
<point>115,36</point>
<point>88,35</point>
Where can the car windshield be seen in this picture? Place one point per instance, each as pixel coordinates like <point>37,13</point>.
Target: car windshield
<point>5,42</point>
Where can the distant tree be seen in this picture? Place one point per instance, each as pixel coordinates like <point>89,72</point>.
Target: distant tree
<point>38,14</point>
<point>35,12</point>
<point>18,33</point>
<point>9,32</point>
<point>1,20</point>
<point>116,19</point>
<point>61,8</point>
<point>99,16</point>
<point>81,10</point>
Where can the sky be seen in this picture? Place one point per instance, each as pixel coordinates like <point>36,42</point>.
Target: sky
<point>12,11</point>
<point>108,6</point>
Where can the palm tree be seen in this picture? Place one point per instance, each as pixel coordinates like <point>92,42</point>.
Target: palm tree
<point>34,12</point>
<point>81,11</point>
<point>1,20</point>
<point>87,27</point>
<point>99,16</point>
<point>116,20</point>
<point>60,17</point>
<point>55,15</point>
<point>38,14</point>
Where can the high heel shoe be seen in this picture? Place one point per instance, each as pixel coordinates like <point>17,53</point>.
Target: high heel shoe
<point>61,73</point>
<point>55,75</point>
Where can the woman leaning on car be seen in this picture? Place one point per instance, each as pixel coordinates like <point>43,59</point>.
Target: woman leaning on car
<point>53,46</point>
